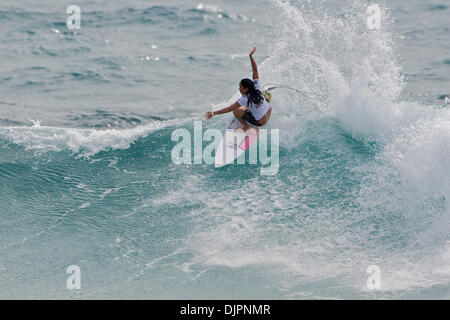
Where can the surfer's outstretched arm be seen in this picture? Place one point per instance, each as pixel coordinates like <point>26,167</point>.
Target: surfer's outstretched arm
<point>254,66</point>
<point>233,107</point>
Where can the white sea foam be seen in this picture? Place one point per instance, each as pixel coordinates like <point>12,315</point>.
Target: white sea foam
<point>85,142</point>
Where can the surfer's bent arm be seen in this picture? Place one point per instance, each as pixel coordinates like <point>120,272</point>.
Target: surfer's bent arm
<point>254,66</point>
<point>233,107</point>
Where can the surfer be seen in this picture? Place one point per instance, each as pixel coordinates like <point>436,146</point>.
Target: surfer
<point>257,111</point>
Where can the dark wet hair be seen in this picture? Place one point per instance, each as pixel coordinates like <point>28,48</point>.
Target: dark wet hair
<point>254,96</point>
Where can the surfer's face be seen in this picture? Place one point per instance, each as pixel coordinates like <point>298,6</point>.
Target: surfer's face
<point>243,90</point>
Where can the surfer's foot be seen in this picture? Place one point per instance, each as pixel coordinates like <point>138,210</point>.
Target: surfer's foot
<point>253,131</point>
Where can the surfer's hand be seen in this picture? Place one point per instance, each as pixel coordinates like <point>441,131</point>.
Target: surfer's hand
<point>252,52</point>
<point>208,115</point>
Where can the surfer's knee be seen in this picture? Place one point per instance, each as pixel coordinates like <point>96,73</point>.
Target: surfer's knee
<point>236,113</point>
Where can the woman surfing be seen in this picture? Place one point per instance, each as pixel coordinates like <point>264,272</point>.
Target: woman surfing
<point>256,110</point>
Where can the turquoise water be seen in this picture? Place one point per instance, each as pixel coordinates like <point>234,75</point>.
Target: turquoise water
<point>87,179</point>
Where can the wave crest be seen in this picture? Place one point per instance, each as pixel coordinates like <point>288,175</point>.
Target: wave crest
<point>85,142</point>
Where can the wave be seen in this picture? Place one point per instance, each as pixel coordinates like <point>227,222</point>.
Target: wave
<point>437,7</point>
<point>391,209</point>
<point>160,14</point>
<point>421,152</point>
<point>84,142</point>
<point>16,13</point>
<point>203,8</point>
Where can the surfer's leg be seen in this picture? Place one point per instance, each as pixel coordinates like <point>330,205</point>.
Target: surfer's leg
<point>239,114</point>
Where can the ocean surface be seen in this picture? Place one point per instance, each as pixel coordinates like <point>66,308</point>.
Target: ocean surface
<point>87,178</point>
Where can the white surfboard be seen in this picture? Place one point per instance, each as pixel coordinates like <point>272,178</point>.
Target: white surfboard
<point>234,143</point>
